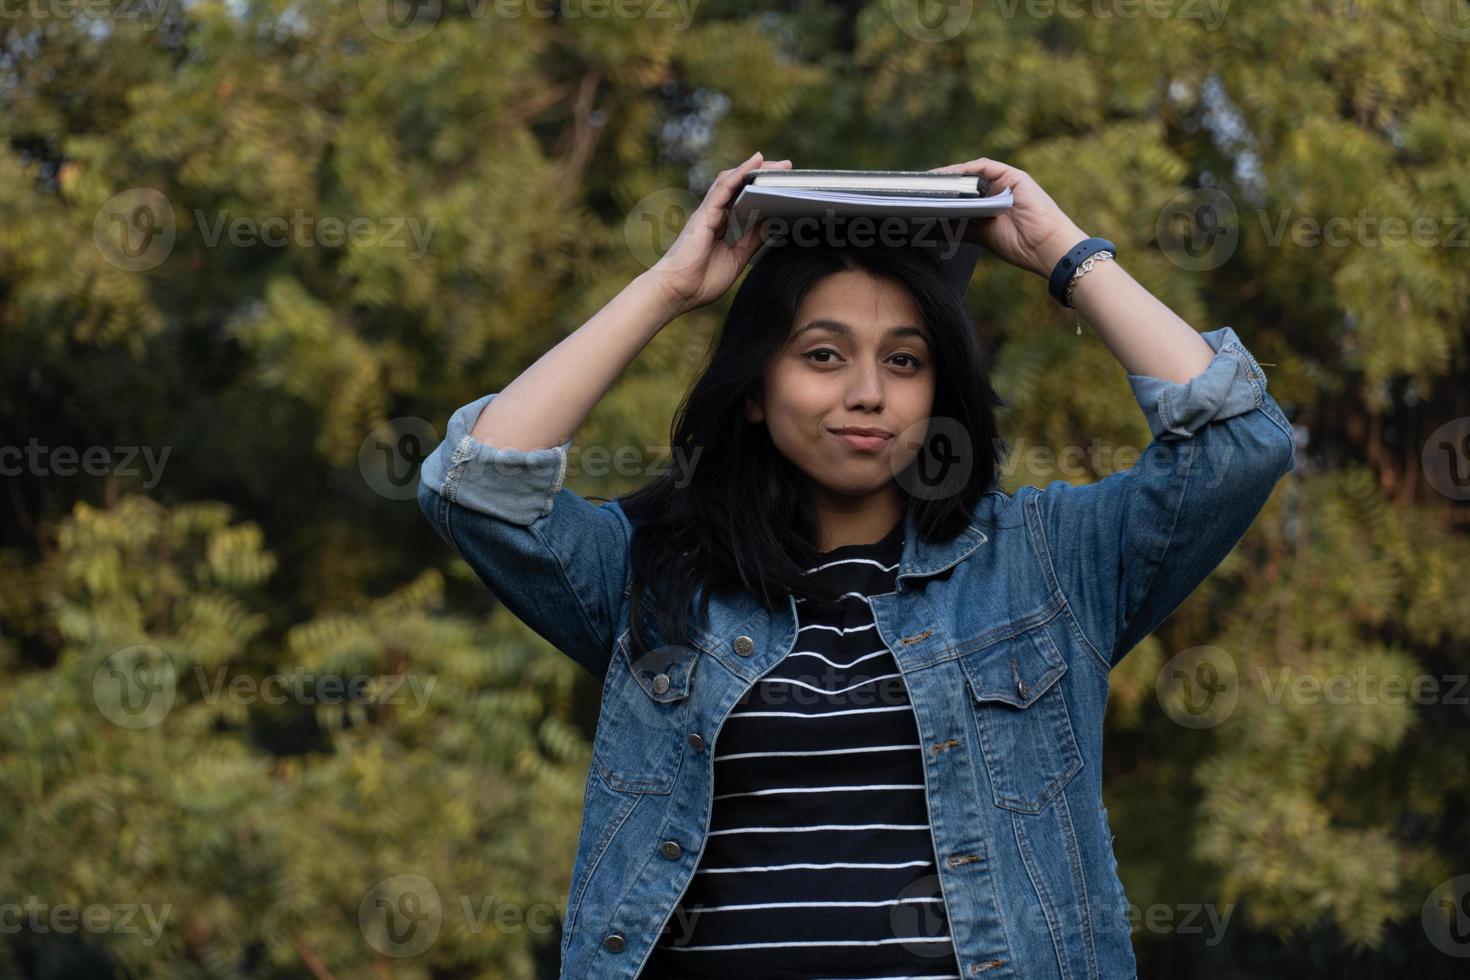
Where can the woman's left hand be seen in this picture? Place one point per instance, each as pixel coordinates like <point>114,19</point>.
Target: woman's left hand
<point>1033,233</point>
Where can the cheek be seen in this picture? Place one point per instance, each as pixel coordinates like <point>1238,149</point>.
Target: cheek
<point>794,410</point>
<point>914,416</point>
<point>791,429</point>
<point>795,427</point>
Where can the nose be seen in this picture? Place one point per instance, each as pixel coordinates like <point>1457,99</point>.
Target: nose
<point>865,387</point>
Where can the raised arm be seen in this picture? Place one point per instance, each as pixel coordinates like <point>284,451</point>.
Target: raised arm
<point>552,398</point>
<point>493,487</point>
<point>1128,549</point>
<point>1125,551</point>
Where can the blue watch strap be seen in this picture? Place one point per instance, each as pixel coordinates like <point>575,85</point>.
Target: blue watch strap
<point>1067,264</point>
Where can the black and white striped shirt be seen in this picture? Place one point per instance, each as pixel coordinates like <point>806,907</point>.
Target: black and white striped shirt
<point>819,861</point>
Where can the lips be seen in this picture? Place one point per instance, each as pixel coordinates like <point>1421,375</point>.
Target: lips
<point>864,438</point>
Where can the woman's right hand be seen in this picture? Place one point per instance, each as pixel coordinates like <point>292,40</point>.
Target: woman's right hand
<point>701,265</point>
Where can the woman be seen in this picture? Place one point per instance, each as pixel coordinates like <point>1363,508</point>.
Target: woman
<point>852,691</point>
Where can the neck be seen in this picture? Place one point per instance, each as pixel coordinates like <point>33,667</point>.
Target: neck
<point>847,522</point>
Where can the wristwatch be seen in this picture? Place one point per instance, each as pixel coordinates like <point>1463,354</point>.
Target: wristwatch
<point>1067,265</point>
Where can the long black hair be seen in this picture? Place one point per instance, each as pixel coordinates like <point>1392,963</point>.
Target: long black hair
<point>745,521</point>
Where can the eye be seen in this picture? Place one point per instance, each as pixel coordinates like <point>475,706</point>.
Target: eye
<point>813,356</point>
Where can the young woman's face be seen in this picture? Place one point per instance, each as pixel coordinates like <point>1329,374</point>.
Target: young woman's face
<point>858,358</point>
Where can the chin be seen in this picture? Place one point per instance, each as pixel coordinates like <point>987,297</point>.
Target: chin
<point>854,485</point>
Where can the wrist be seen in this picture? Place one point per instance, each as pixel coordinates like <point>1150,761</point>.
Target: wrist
<point>666,301</point>
<point>1054,246</point>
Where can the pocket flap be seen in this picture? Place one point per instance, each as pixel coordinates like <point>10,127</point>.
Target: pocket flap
<point>662,672</point>
<point>1017,670</point>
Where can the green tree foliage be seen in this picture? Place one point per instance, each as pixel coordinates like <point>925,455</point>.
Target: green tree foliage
<point>509,174</point>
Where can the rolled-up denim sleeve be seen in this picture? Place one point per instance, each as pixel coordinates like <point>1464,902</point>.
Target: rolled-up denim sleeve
<point>558,562</point>
<point>1128,549</point>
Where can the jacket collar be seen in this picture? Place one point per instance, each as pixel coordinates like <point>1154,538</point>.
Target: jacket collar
<point>919,559</point>
<point>923,558</point>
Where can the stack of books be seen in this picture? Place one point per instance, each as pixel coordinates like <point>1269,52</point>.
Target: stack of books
<point>926,209</point>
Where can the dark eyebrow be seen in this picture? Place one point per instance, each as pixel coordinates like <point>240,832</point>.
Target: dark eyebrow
<point>842,329</point>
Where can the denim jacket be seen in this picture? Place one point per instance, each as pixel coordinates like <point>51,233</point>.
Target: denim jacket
<point>1005,636</point>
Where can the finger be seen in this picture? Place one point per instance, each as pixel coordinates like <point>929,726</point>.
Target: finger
<point>715,206</point>
<point>969,166</point>
<point>986,167</point>
<point>725,185</point>
<point>999,177</point>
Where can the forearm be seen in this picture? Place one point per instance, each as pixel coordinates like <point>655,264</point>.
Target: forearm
<point>546,404</point>
<point>1144,335</point>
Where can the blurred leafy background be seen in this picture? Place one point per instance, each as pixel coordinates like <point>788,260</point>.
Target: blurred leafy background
<point>544,159</point>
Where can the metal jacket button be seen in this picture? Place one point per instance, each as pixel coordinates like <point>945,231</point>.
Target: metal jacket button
<point>615,943</point>
<point>670,849</point>
<point>744,645</point>
<point>696,741</point>
<point>660,683</point>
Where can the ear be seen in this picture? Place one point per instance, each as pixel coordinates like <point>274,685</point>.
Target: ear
<point>754,411</point>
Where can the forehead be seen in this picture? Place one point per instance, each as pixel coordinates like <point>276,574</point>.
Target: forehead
<point>864,302</point>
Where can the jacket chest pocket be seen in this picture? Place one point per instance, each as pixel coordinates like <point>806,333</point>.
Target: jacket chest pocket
<point>641,731</point>
<point>1026,736</point>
